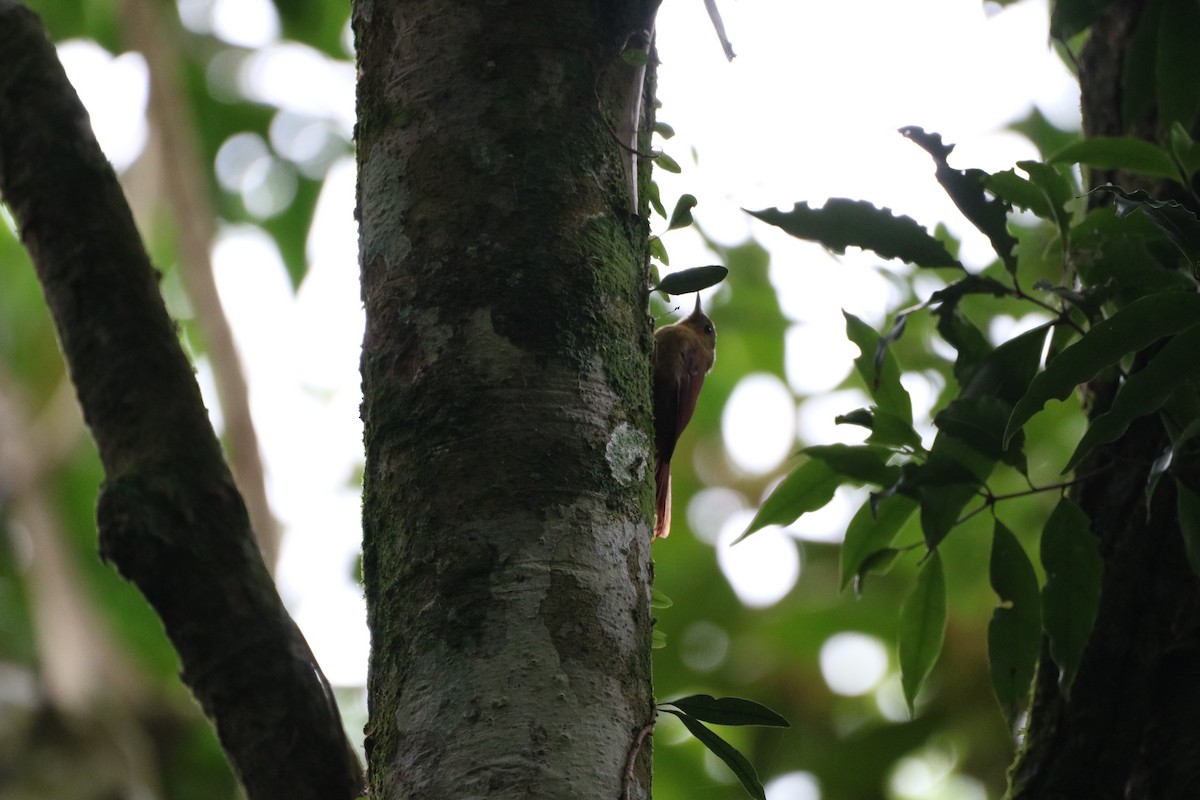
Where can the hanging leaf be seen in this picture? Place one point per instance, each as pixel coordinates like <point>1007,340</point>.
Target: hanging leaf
<point>807,488</point>
<point>1130,329</point>
<point>693,279</point>
<point>681,216</point>
<point>659,600</point>
<point>1144,392</point>
<point>922,627</point>
<point>1071,596</point>
<point>966,189</point>
<point>881,374</point>
<point>723,750</point>
<point>872,529</point>
<point>843,223</point>
<point>728,711</point>
<point>1015,630</point>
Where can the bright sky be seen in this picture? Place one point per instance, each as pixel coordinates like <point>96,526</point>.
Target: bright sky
<point>808,110</point>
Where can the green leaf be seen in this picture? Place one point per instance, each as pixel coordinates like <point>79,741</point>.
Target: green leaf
<point>1130,329</point>
<point>667,163</point>
<point>878,370</point>
<point>655,198</point>
<point>728,711</point>
<point>979,422</point>
<point>664,130</point>
<point>1017,191</point>
<point>861,463</point>
<point>1015,630</point>
<point>872,529</point>
<point>1118,152</point>
<point>693,279</point>
<point>887,430</point>
<point>658,639</point>
<point>659,600</point>
<point>723,750</point>
<point>966,189</point>
<point>807,488</point>
<point>1071,595</point>
<point>1055,188</point>
<point>878,563</point>
<point>922,627</point>
<point>1188,505</point>
<point>635,57</point>
<point>843,223</point>
<point>948,480</point>
<point>1144,392</point>
<point>1184,150</point>
<point>659,250</point>
<point>681,216</point>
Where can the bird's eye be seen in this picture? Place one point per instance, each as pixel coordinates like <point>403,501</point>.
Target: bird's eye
<point>709,329</point>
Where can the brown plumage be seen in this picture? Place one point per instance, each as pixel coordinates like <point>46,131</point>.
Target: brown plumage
<point>683,355</point>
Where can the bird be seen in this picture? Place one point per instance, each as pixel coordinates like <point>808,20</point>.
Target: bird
<point>683,354</point>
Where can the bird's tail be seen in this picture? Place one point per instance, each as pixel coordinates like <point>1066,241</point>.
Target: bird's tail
<point>662,500</point>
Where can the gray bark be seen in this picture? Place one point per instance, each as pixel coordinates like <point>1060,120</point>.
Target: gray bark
<point>506,399</point>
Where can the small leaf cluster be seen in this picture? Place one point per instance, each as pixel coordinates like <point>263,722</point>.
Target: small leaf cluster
<point>1113,277</point>
<point>694,710</point>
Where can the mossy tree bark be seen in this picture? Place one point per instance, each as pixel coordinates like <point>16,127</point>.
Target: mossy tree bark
<point>506,398</point>
<point>1128,727</point>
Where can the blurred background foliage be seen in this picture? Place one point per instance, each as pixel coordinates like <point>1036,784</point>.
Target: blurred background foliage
<point>89,703</point>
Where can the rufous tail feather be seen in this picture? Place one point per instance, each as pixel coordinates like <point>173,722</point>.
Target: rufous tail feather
<point>662,500</point>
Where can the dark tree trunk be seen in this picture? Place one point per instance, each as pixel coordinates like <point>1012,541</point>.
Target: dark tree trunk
<point>506,398</point>
<point>1128,728</point>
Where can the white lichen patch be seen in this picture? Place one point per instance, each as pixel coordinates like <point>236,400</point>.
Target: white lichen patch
<point>628,454</point>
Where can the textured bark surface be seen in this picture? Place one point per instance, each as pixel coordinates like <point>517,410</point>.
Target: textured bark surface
<point>169,516</point>
<point>506,399</point>
<point>1128,729</point>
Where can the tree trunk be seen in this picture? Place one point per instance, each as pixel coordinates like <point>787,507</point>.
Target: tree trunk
<point>1128,728</point>
<point>506,403</point>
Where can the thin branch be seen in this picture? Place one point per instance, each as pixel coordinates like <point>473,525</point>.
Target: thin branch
<point>169,516</point>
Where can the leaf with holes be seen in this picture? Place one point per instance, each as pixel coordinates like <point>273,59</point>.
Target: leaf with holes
<point>843,223</point>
